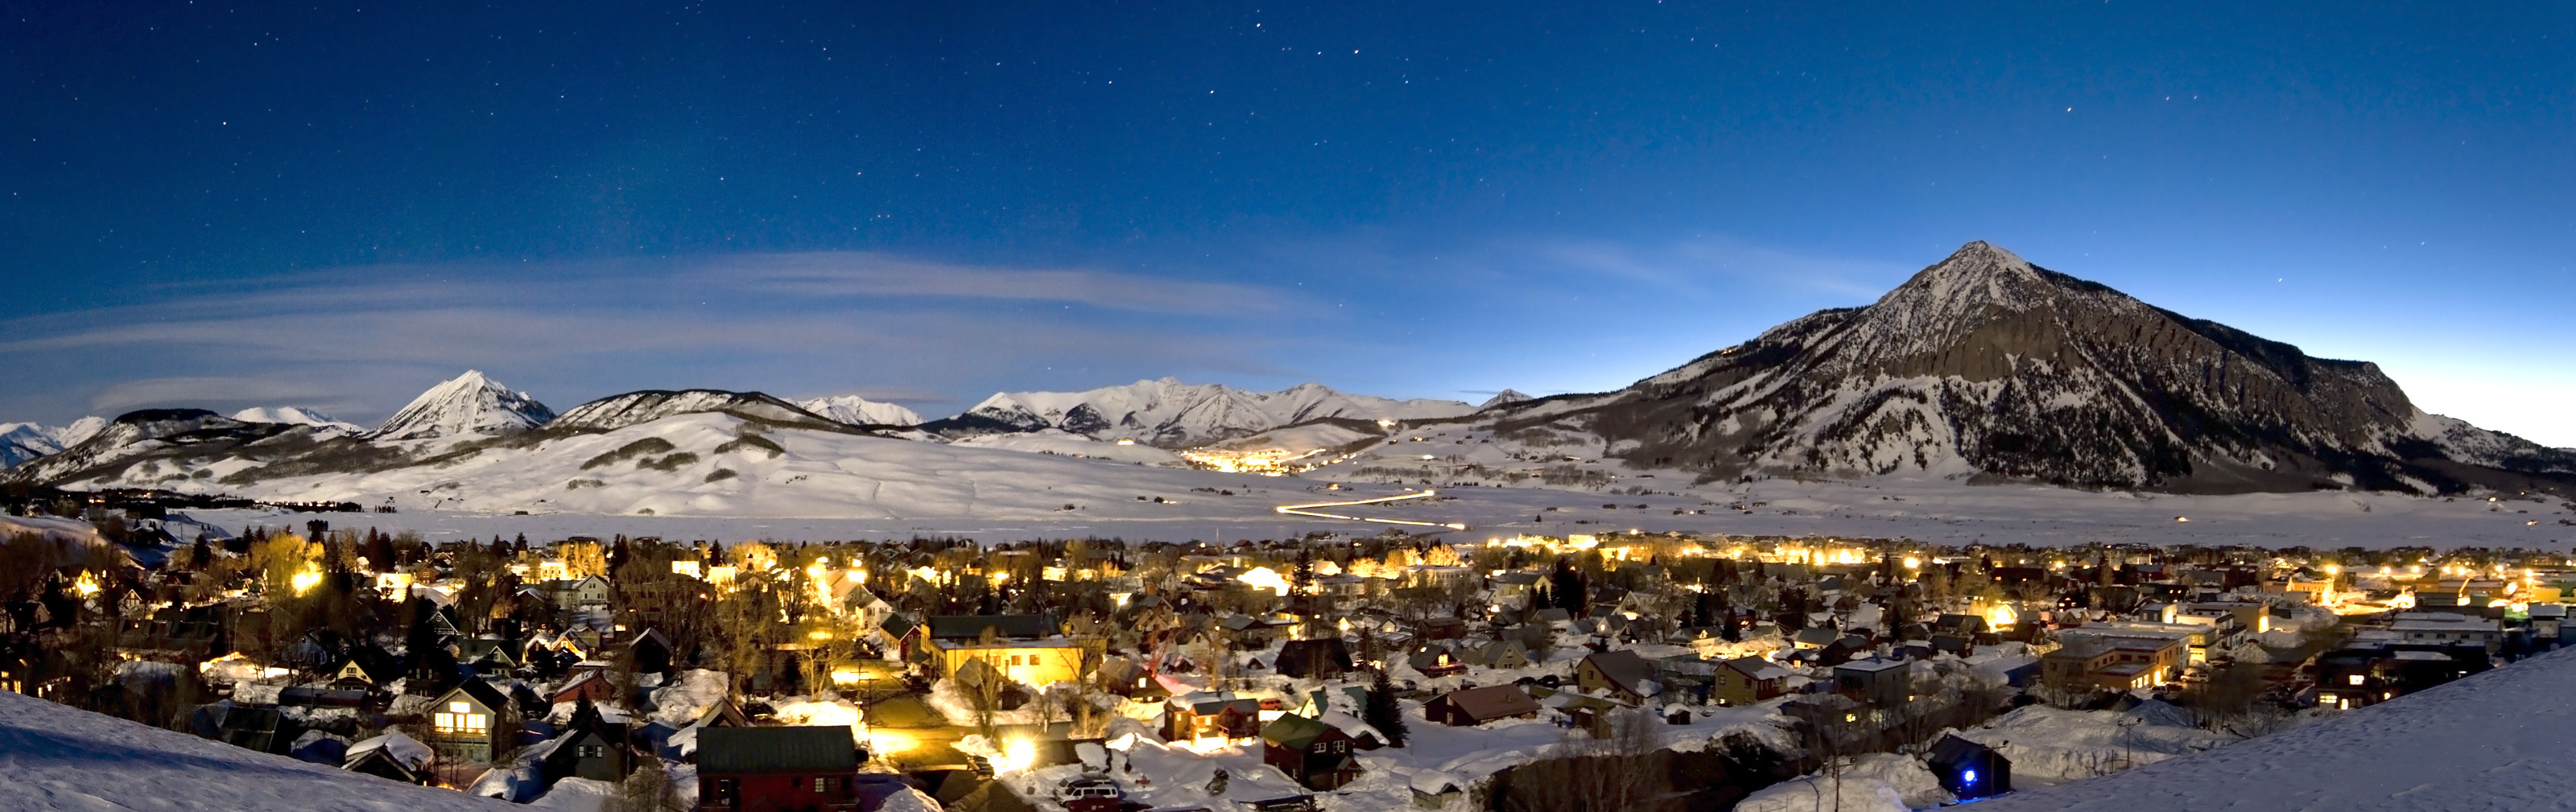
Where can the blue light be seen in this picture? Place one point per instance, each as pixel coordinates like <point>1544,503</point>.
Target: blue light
<point>1969,777</point>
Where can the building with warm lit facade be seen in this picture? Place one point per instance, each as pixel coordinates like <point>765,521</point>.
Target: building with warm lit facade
<point>2114,659</point>
<point>470,723</point>
<point>1028,649</point>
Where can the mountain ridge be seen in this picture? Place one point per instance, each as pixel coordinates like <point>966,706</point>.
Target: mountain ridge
<point>1986,366</point>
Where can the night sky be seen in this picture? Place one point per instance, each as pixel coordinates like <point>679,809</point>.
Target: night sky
<point>227,205</point>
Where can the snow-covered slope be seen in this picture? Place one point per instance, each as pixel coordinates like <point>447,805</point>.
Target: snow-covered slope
<point>296,415</point>
<point>468,405</point>
<point>1984,366</point>
<point>153,447</point>
<point>724,464</point>
<point>619,411</point>
<point>54,757</point>
<point>859,411</point>
<point>20,442</point>
<point>1503,398</point>
<point>1172,414</point>
<point>2496,740</point>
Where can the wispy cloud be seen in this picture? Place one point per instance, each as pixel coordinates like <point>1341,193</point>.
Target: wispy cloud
<point>360,341</point>
<point>865,274</point>
<point>1712,265</point>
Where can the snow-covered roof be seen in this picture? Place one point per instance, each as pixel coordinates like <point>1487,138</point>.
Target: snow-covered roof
<point>404,750</point>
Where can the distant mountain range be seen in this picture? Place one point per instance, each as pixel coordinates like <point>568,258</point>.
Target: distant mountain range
<point>1981,368</point>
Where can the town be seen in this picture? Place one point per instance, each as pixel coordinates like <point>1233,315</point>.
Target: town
<point>1332,672</point>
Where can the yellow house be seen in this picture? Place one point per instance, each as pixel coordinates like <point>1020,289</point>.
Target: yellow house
<point>1029,649</point>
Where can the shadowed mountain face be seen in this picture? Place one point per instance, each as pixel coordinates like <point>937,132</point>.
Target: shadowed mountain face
<point>1987,366</point>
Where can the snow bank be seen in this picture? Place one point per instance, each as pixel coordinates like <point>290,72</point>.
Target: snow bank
<point>1874,782</point>
<point>577,795</point>
<point>54,757</point>
<point>689,695</point>
<point>2050,746</point>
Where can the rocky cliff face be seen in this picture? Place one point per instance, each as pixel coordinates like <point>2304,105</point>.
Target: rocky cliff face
<point>1988,367</point>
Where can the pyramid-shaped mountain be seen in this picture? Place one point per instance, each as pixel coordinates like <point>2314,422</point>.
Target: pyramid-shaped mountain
<point>1987,367</point>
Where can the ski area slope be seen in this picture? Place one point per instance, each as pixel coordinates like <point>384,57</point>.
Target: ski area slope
<point>54,757</point>
<point>2505,739</point>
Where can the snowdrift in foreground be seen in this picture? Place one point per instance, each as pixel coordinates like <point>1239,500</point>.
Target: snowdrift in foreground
<point>2496,740</point>
<point>54,757</point>
<point>1874,782</point>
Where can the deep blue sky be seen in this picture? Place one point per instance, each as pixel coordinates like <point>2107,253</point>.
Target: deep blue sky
<point>235,204</point>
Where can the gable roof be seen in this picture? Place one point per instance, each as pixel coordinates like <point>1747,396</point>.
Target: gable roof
<point>1623,668</point>
<point>1295,732</point>
<point>1491,702</point>
<point>1756,668</point>
<point>481,692</point>
<point>807,748</point>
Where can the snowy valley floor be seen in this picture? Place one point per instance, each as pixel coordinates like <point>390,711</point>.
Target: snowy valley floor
<point>1933,511</point>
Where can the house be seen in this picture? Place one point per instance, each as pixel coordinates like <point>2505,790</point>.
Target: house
<point>1314,659</point>
<point>1029,649</point>
<point>1969,770</point>
<point>1314,754</point>
<point>1500,654</point>
<point>1814,637</point>
<point>1476,706</point>
<point>1438,790</point>
<point>470,722</point>
<point>392,756</point>
<point>809,767</point>
<point>1593,714</point>
<point>591,686</point>
<point>1882,683</point>
<point>1321,701</point>
<point>2354,678</point>
<point>2447,629</point>
<point>1435,661</point>
<point>587,592</point>
<point>366,668</point>
<point>650,651</point>
<point>1627,677</point>
<point>589,748</point>
<point>487,655</point>
<point>1211,716</point>
<point>1747,680</point>
<point>724,713</point>
<point>2112,662</point>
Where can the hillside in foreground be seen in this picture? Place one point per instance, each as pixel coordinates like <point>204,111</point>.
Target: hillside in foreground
<point>2496,740</point>
<point>54,757</point>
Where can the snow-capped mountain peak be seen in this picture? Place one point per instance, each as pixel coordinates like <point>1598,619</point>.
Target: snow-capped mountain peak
<point>1505,397</point>
<point>859,411</point>
<point>295,415</point>
<point>464,406</point>
<point>20,442</point>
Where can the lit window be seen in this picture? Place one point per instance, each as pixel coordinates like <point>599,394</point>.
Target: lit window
<point>2356,679</point>
<point>818,783</point>
<point>458,707</point>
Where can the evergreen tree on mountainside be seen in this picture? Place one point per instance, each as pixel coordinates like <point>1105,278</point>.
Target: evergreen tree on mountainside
<point>1383,711</point>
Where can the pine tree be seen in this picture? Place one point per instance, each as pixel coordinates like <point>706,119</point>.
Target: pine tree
<point>1383,712</point>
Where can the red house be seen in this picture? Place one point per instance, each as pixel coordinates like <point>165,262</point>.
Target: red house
<point>777,769</point>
